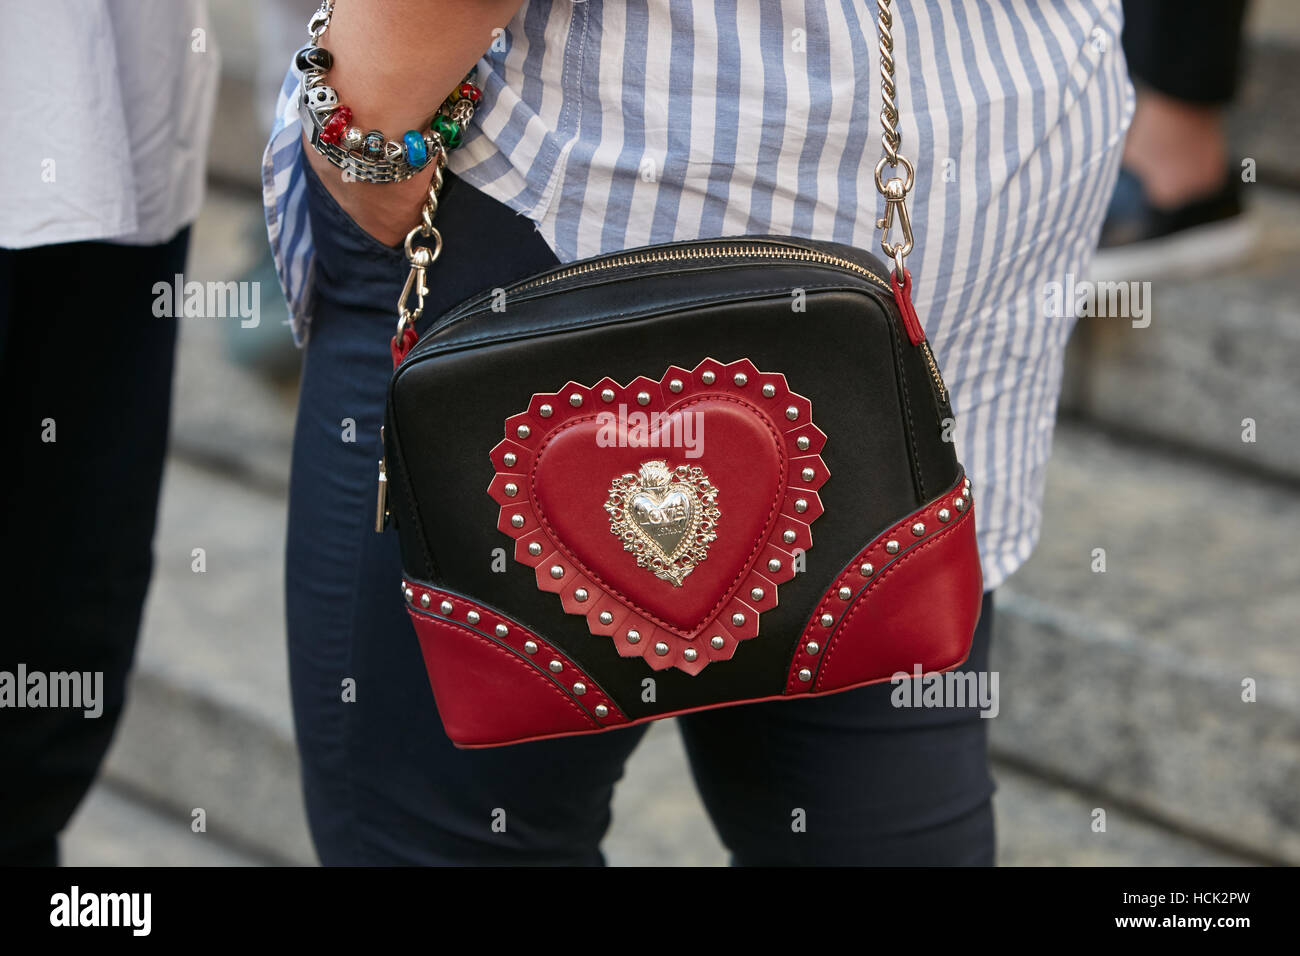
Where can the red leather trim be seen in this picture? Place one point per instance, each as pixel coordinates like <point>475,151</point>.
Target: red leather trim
<point>582,556</point>
<point>399,349</point>
<point>903,297</point>
<point>489,689</point>
<point>918,607</point>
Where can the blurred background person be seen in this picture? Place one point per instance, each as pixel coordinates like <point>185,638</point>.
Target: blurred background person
<point>113,100</point>
<point>1177,206</point>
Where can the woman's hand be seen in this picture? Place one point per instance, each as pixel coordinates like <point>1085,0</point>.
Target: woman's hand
<point>395,61</point>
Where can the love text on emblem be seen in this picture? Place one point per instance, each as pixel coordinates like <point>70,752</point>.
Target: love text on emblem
<point>666,517</point>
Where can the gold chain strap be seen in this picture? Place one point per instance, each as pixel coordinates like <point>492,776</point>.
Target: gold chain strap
<point>421,256</point>
<point>896,189</point>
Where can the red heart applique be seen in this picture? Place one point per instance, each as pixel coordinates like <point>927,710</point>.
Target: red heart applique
<point>666,512</point>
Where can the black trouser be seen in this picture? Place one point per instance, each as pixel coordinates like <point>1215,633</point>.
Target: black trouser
<point>86,380</point>
<point>1187,49</point>
<point>878,784</point>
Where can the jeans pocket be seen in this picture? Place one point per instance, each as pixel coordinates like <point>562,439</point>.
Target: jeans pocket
<point>341,229</point>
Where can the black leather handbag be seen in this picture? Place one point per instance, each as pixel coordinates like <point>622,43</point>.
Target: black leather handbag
<point>676,477</point>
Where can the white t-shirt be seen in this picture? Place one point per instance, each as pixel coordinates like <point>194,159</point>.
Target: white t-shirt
<point>108,105</point>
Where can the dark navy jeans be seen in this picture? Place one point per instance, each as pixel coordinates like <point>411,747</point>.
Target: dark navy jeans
<point>383,784</point>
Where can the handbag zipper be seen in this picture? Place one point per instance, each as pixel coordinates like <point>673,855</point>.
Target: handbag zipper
<point>708,252</point>
<point>727,251</point>
<point>734,252</point>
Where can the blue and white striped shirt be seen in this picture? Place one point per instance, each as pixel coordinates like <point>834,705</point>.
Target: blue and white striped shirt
<point>619,123</point>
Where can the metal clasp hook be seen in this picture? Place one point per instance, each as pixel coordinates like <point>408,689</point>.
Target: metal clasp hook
<point>895,196</point>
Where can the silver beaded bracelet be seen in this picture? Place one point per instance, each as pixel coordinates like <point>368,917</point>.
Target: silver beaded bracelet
<point>370,156</point>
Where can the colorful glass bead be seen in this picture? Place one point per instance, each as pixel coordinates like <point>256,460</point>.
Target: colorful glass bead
<point>416,153</point>
<point>333,129</point>
<point>448,129</point>
<point>470,92</point>
<point>372,147</point>
<point>322,99</point>
<point>313,59</point>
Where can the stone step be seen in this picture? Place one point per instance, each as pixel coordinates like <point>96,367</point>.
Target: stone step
<point>116,828</point>
<point>1214,370</point>
<point>1130,682</point>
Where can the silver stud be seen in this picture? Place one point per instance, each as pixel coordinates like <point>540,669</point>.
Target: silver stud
<point>523,431</point>
<point>769,391</point>
<point>575,400</point>
<point>634,636</point>
<point>959,504</point>
<point>774,565</point>
<point>509,459</point>
<point>445,607</point>
<point>555,667</point>
<point>535,549</point>
<point>502,630</point>
<point>606,617</point>
<point>511,489</point>
<point>580,688</point>
<point>530,647</point>
<point>690,654</point>
<point>472,617</point>
<point>918,529</point>
<point>546,411</point>
<point>410,595</point>
<point>845,593</point>
<point>866,570</point>
<point>805,674</point>
<point>741,378</point>
<point>580,595</point>
<point>891,546</point>
<point>602,710</point>
<point>789,537</point>
<point>812,647</point>
<point>557,572</point>
<point>516,521</point>
<point>803,443</point>
<point>738,619</point>
<point>606,394</point>
<point>718,642</point>
<point>808,474</point>
<point>826,620</point>
<point>708,378</point>
<point>801,505</point>
<point>661,648</point>
<point>425,600</point>
<point>944,514</point>
<point>675,386</point>
<point>643,398</point>
<point>791,412</point>
<point>757,594</point>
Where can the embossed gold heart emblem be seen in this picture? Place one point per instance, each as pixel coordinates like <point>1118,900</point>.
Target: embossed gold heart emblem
<point>666,517</point>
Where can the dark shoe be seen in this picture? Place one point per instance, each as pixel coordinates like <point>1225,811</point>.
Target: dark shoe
<point>1140,241</point>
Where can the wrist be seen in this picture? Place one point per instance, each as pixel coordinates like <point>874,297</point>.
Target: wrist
<point>387,211</point>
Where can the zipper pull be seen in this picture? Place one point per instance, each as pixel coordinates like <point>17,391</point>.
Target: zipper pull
<point>381,503</point>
